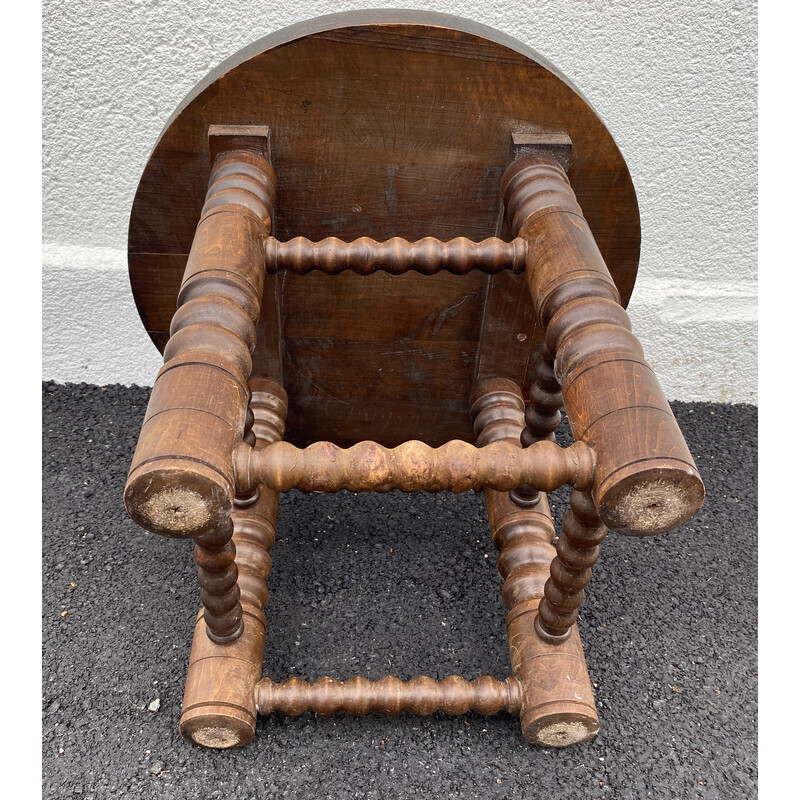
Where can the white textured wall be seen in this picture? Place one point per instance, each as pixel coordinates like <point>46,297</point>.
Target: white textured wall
<point>674,81</point>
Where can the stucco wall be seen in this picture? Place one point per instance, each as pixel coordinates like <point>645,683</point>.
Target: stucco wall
<point>674,81</point>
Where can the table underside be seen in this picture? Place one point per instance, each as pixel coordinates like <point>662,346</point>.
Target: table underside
<point>381,129</point>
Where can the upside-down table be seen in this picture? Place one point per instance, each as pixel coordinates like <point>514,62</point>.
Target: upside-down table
<point>377,230</point>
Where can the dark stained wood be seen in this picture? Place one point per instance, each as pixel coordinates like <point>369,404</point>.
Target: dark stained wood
<point>382,124</point>
<point>543,412</point>
<point>557,707</point>
<point>219,708</point>
<point>646,480</point>
<point>508,307</point>
<point>268,352</point>
<point>181,481</point>
<point>389,695</point>
<point>443,318</point>
<point>571,569</point>
<point>374,273</point>
<point>508,333</point>
<point>395,256</point>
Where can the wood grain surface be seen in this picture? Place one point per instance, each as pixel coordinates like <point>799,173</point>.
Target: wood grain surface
<point>382,124</point>
<point>646,481</point>
<point>557,707</point>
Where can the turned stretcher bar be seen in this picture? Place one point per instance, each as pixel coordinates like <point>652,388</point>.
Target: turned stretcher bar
<point>389,695</point>
<point>395,256</point>
<point>455,467</point>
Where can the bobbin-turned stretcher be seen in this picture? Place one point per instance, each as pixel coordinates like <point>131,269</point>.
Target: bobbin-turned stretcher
<point>376,233</point>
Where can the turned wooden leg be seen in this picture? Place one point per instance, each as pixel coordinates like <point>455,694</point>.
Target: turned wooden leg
<point>543,413</point>
<point>181,482</point>
<point>557,707</point>
<point>542,417</point>
<point>646,481</point>
<point>571,569</point>
<point>219,704</point>
<point>215,554</point>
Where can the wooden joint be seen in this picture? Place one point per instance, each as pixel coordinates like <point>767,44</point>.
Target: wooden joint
<point>227,138</point>
<point>545,635</point>
<point>557,146</point>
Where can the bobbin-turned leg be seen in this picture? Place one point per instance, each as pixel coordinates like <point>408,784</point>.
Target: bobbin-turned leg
<point>578,548</point>
<point>181,481</point>
<point>542,416</point>
<point>219,704</point>
<point>543,413</point>
<point>645,481</point>
<point>557,706</point>
<point>571,569</point>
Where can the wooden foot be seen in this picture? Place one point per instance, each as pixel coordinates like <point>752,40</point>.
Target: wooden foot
<point>219,707</point>
<point>557,706</point>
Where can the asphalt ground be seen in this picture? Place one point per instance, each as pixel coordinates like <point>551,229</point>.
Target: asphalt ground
<point>391,584</point>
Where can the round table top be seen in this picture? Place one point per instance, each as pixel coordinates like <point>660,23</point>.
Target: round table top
<point>382,123</point>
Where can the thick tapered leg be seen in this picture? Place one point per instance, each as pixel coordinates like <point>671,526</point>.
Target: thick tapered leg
<point>646,481</point>
<point>557,707</point>
<point>181,481</point>
<point>219,704</point>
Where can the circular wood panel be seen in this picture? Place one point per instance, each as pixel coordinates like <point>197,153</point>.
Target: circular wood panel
<point>383,124</point>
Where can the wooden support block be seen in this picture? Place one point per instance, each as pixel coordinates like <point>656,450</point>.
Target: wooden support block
<point>228,138</point>
<point>550,144</point>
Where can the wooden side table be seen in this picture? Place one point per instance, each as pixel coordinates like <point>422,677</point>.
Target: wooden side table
<point>377,228</point>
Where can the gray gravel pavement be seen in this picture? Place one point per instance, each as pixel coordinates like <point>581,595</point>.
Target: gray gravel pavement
<point>406,585</point>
